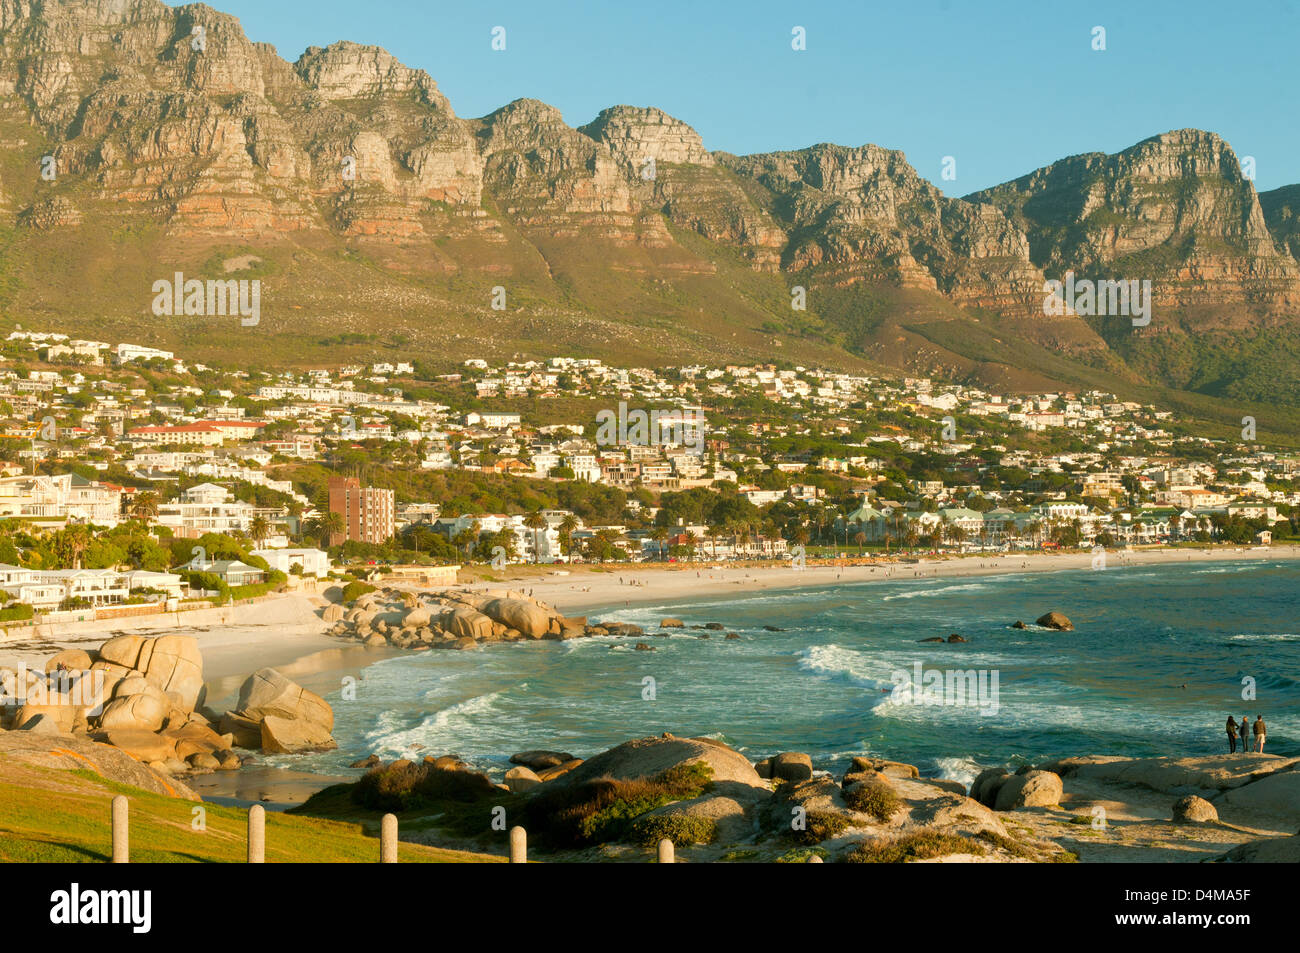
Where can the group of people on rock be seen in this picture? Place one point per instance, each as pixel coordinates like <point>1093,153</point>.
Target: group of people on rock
<point>1245,730</point>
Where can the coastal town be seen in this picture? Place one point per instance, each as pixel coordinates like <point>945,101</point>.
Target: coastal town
<point>120,460</point>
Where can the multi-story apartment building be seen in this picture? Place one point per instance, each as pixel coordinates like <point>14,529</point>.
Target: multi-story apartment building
<point>368,512</point>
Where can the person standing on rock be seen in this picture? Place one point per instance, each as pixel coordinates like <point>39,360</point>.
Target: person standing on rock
<point>1260,731</point>
<point>1232,736</point>
<point>1245,734</point>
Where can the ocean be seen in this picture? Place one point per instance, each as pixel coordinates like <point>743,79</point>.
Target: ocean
<point>1158,659</point>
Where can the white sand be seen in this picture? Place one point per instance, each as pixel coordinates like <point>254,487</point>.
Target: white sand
<point>588,589</point>
<point>234,640</point>
<point>287,632</point>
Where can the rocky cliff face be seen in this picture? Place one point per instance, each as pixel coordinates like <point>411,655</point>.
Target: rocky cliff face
<point>1281,209</point>
<point>169,120</point>
<point>865,213</point>
<point>1174,209</point>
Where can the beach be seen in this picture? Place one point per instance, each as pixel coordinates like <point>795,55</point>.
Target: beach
<point>602,590</point>
<point>287,629</point>
<point>477,704</point>
<point>234,640</point>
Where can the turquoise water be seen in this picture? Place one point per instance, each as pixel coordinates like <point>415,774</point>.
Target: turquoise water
<point>1153,667</point>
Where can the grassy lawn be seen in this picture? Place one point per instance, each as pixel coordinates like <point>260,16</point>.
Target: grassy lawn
<point>67,821</point>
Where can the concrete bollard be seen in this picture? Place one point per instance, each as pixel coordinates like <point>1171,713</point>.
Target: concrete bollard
<point>388,839</point>
<point>666,852</point>
<point>121,831</point>
<point>518,845</point>
<point>815,859</point>
<point>257,834</point>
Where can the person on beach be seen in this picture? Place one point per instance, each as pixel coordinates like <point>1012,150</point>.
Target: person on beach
<point>1260,731</point>
<point>1232,736</point>
<point>1244,731</point>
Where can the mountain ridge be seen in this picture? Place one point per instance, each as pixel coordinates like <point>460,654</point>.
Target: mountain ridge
<point>372,209</point>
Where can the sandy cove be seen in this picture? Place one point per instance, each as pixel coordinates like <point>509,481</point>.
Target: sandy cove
<point>287,631</point>
<point>234,640</point>
<point>603,590</point>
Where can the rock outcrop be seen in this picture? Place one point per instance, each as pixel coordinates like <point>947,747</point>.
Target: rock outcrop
<point>140,695</point>
<point>290,719</point>
<point>454,619</point>
<point>1181,195</point>
<point>1055,620</point>
<point>1194,810</point>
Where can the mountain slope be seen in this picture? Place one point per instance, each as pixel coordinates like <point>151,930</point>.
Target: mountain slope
<point>137,140</point>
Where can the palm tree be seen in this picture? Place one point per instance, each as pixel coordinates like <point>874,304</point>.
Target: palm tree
<point>466,538</point>
<point>326,526</point>
<point>145,506</point>
<point>660,536</point>
<point>259,529</point>
<point>567,526</point>
<point>911,536</point>
<point>73,543</point>
<point>743,535</point>
<point>535,521</point>
<point>711,534</point>
<point>958,534</point>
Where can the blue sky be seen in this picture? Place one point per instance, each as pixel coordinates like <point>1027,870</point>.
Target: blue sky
<point>1003,87</point>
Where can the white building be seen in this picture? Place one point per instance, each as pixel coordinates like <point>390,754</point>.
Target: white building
<point>313,562</point>
<point>206,508</point>
<point>125,353</point>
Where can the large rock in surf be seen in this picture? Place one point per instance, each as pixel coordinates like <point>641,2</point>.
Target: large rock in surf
<point>523,615</point>
<point>1055,620</point>
<point>466,623</point>
<point>985,786</point>
<point>299,720</point>
<point>540,760</point>
<point>293,735</point>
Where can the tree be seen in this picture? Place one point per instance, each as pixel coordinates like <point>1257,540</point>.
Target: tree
<point>535,521</point>
<point>68,545</point>
<point>327,526</point>
<point>145,506</point>
<point>567,526</point>
<point>260,528</point>
<point>660,536</point>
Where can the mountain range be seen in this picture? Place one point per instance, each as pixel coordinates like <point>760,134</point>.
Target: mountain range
<point>137,140</point>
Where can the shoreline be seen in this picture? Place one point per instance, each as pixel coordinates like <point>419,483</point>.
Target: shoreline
<point>604,592</point>
<point>289,634</point>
